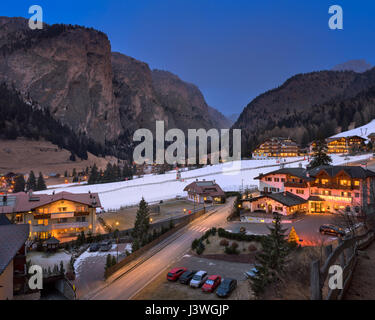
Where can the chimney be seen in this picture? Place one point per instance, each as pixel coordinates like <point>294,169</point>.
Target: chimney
<point>30,194</point>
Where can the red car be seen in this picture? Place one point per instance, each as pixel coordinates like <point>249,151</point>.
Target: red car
<point>175,273</point>
<point>211,284</point>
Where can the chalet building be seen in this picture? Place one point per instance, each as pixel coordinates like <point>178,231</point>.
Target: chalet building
<point>277,148</point>
<point>13,273</point>
<point>371,137</point>
<point>62,215</point>
<point>342,145</point>
<point>325,189</point>
<point>205,191</point>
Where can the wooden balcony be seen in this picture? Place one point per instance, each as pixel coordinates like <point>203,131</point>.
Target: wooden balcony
<point>291,184</point>
<point>333,186</point>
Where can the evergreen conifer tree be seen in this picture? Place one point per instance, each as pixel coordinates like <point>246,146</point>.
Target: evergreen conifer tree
<point>41,185</point>
<point>320,156</point>
<point>19,185</point>
<point>142,222</point>
<point>31,181</point>
<point>271,260</point>
<point>94,175</point>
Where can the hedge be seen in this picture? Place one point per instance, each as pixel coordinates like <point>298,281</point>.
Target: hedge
<point>239,236</point>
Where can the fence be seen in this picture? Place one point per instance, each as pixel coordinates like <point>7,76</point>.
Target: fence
<point>346,253</point>
<point>187,219</point>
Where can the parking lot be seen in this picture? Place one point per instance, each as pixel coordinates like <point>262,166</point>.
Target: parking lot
<point>163,289</point>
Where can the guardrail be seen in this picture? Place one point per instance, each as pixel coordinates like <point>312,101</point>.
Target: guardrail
<point>346,253</point>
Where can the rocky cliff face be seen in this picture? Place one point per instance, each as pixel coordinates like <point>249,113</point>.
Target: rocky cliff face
<point>144,96</point>
<point>71,71</point>
<point>66,69</point>
<point>183,102</point>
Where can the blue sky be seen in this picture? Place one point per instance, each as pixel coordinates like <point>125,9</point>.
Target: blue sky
<point>233,50</point>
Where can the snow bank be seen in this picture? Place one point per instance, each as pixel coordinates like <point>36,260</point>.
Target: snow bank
<point>231,176</point>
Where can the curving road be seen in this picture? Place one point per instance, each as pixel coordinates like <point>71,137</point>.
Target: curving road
<point>133,278</point>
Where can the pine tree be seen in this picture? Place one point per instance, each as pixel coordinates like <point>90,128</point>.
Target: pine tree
<point>94,175</point>
<point>142,222</point>
<point>293,236</point>
<point>31,181</point>
<point>271,260</point>
<point>19,185</point>
<point>320,156</point>
<point>41,185</point>
<point>108,262</point>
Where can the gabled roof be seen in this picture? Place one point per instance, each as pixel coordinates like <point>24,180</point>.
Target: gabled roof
<point>52,240</point>
<point>297,172</point>
<point>4,221</point>
<point>24,202</point>
<point>12,238</point>
<point>209,188</point>
<point>355,172</point>
<point>286,198</point>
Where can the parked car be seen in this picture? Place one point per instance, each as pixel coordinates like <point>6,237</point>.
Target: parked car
<point>106,245</point>
<point>175,273</point>
<point>211,283</point>
<point>187,276</point>
<point>251,273</point>
<point>332,230</point>
<point>94,247</point>
<point>226,287</point>
<point>198,279</point>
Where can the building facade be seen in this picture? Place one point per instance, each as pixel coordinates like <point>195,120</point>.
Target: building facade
<point>277,148</point>
<point>326,189</point>
<point>62,215</point>
<point>342,145</point>
<point>205,191</point>
<point>13,273</point>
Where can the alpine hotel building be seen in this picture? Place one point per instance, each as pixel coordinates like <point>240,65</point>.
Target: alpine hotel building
<point>325,189</point>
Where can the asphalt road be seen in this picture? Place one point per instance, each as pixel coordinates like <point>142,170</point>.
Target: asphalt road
<point>149,266</point>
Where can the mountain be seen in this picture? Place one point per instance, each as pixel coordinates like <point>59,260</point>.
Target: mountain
<point>66,69</point>
<point>221,121</point>
<point>233,117</point>
<point>71,72</point>
<point>353,65</point>
<point>307,106</point>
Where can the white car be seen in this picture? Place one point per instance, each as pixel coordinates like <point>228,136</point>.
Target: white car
<point>198,279</point>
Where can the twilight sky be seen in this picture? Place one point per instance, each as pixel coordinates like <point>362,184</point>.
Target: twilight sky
<point>233,50</point>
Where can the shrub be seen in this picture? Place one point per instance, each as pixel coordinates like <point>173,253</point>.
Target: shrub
<point>194,244</point>
<point>239,236</point>
<point>234,245</point>
<point>252,248</point>
<point>224,242</point>
<point>200,248</point>
<point>231,250</point>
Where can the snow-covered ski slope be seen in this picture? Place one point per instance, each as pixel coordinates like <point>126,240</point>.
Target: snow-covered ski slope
<point>362,131</point>
<point>230,176</point>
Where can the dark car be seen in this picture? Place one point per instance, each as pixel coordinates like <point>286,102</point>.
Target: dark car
<point>226,287</point>
<point>106,245</point>
<point>94,247</point>
<point>175,273</point>
<point>332,230</point>
<point>187,276</point>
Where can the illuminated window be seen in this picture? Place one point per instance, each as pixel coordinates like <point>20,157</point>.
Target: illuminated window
<point>356,183</point>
